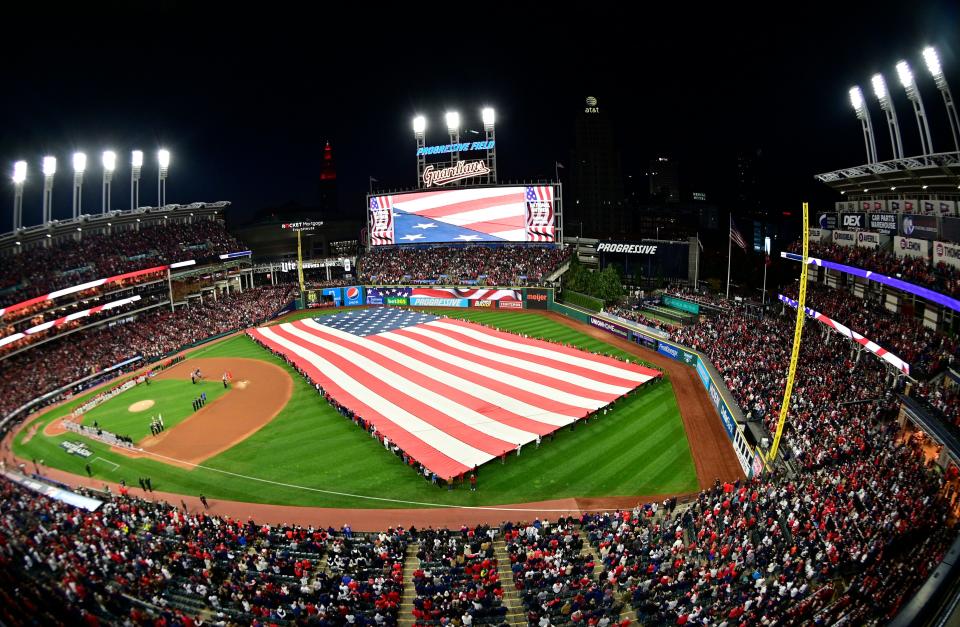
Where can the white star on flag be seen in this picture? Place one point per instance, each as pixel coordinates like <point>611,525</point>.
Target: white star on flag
<point>425,225</point>
<point>467,238</point>
<point>413,237</point>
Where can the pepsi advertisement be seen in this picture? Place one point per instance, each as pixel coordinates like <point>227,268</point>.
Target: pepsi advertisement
<point>353,296</point>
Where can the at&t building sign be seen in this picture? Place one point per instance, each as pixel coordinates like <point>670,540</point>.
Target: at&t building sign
<point>444,164</point>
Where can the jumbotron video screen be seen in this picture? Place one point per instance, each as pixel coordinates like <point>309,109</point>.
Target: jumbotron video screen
<point>483,214</point>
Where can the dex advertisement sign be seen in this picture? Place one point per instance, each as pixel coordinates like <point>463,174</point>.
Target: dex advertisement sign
<point>885,223</point>
<point>853,221</point>
<point>918,227</point>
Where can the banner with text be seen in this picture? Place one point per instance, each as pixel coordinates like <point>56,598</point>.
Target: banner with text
<point>946,253</point>
<point>918,227</point>
<point>845,238</point>
<point>675,352</point>
<point>610,327</point>
<point>885,223</point>
<point>907,247</point>
<point>682,305</point>
<point>868,240</point>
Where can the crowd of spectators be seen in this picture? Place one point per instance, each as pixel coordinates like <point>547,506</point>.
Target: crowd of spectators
<point>921,271</point>
<point>142,563</point>
<point>635,314</point>
<point>469,265</point>
<point>47,367</point>
<point>927,351</point>
<point>42,270</point>
<point>555,577</point>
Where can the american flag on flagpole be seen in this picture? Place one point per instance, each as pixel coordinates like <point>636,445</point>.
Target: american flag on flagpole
<point>736,236</point>
<point>451,394</point>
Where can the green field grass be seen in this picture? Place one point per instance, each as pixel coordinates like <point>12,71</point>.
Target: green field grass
<point>310,455</point>
<point>172,398</point>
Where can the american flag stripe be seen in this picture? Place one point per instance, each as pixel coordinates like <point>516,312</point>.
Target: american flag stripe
<point>444,454</point>
<point>510,405</point>
<point>438,401</point>
<point>444,396</point>
<point>565,354</point>
<point>534,382</point>
<point>438,204</point>
<point>493,214</point>
<point>566,374</point>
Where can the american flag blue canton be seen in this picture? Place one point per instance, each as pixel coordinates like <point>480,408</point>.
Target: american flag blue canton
<point>374,321</point>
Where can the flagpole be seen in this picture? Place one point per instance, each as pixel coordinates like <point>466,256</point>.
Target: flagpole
<point>556,171</point>
<point>696,267</point>
<point>763,298</point>
<point>729,251</point>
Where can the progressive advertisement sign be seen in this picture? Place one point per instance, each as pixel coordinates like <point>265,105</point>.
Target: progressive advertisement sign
<point>480,214</point>
<point>429,301</point>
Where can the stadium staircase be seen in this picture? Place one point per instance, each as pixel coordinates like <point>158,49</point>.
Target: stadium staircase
<point>516,615</point>
<point>410,565</point>
<point>627,613</point>
<point>556,274</point>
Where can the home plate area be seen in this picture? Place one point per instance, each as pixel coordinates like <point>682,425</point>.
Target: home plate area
<point>451,394</point>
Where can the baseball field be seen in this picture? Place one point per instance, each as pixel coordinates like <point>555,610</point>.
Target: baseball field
<point>276,441</point>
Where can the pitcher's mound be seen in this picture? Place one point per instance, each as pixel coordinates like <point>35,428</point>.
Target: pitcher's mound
<point>140,406</point>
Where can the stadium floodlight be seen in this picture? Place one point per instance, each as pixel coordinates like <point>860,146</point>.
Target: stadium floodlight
<point>163,158</point>
<point>19,176</point>
<point>488,116</point>
<point>453,121</point>
<point>419,125</point>
<point>886,105</point>
<point>863,114</point>
<point>79,166</point>
<point>49,170</point>
<point>932,59</point>
<point>913,95</point>
<point>136,163</point>
<point>109,165</point>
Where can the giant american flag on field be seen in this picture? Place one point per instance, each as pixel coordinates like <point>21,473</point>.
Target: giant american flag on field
<point>483,214</point>
<point>451,394</point>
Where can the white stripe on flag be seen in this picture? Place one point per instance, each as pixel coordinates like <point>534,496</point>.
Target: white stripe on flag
<point>448,198</point>
<point>427,433</point>
<point>573,360</point>
<point>476,390</point>
<point>542,369</point>
<point>509,435</point>
<point>498,213</point>
<point>531,386</point>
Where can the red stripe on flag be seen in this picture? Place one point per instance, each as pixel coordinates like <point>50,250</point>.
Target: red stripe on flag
<point>468,205</point>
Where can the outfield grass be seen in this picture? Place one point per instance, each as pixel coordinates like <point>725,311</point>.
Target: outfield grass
<point>639,449</point>
<point>172,398</point>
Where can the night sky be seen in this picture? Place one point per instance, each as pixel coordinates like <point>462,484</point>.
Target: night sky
<point>246,99</point>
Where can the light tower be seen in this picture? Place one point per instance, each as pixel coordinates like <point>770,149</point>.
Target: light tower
<point>883,95</point>
<point>453,128</point>
<point>913,95</point>
<point>109,165</point>
<point>79,165</point>
<point>19,176</point>
<point>863,114</point>
<point>136,163</point>
<point>49,169</point>
<point>489,118</point>
<point>932,60</point>
<point>419,131</point>
<point>163,158</point>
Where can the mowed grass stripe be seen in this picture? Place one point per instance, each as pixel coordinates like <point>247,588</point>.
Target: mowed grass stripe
<point>638,449</point>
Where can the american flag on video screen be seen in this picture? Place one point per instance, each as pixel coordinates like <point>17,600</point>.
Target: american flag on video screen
<point>381,220</point>
<point>540,213</point>
<point>450,393</point>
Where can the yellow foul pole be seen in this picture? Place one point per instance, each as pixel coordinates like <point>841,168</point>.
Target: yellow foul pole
<point>300,263</point>
<point>797,333</point>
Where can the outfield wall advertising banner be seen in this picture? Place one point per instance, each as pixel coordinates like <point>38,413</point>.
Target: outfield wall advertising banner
<point>537,298</point>
<point>333,292</point>
<point>945,252</point>
<point>485,304</point>
<point>401,301</point>
<point>704,375</point>
<point>845,238</point>
<point>907,247</point>
<point>429,301</point>
<point>353,296</point>
<point>675,352</point>
<point>509,304</point>
<point>377,295</point>
<point>868,240</point>
<point>645,341</point>
<point>681,305</point>
<point>885,223</point>
<point>610,327</point>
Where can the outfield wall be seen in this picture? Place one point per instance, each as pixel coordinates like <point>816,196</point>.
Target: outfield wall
<point>723,402</point>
